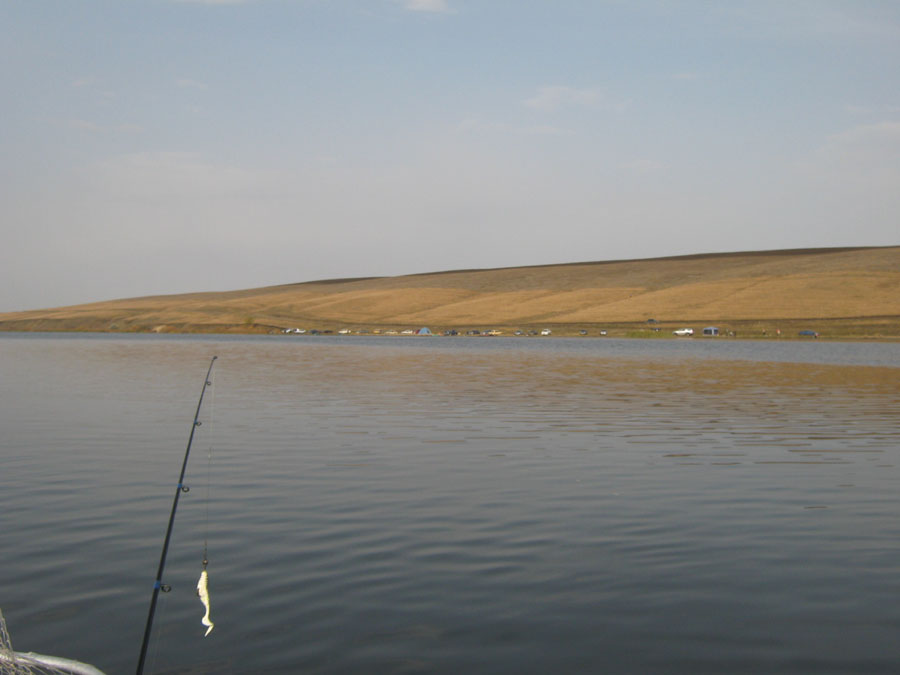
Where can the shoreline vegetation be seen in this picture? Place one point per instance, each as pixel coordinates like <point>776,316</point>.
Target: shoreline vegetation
<point>845,293</point>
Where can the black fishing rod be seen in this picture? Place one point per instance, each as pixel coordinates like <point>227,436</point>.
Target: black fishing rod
<point>178,490</point>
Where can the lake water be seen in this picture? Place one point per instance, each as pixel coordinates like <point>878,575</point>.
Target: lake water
<point>480,505</point>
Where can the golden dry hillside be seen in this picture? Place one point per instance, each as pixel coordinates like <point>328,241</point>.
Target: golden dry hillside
<point>855,288</point>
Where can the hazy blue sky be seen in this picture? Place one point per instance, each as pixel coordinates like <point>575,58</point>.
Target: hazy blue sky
<point>164,146</point>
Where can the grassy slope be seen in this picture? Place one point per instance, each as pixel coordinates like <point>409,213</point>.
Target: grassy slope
<point>857,288</point>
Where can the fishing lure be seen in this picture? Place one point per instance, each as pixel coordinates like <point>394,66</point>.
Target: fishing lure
<point>203,592</point>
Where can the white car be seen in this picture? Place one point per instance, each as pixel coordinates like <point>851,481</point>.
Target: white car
<point>546,331</point>
<point>683,332</point>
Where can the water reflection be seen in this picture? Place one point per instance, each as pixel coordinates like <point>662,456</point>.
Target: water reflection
<point>406,508</point>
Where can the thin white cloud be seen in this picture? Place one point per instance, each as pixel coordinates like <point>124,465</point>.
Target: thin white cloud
<point>644,166</point>
<point>883,135</point>
<point>438,6</point>
<point>188,83</point>
<point>214,2</point>
<point>847,19</point>
<point>94,128</point>
<point>868,154</point>
<point>92,85</point>
<point>849,187</point>
<point>480,126</point>
<point>872,109</point>
<point>82,125</point>
<point>130,128</point>
<point>171,175</point>
<point>558,97</point>
<point>827,19</point>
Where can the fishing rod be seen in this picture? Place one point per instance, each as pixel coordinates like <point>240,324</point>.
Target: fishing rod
<point>181,487</point>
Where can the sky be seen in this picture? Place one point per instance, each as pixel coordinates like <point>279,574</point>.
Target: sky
<point>170,146</point>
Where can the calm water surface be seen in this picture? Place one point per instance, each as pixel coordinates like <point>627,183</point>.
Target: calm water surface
<point>448,506</point>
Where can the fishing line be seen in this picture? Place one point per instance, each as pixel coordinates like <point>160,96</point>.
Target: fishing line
<point>202,583</point>
<point>212,419</point>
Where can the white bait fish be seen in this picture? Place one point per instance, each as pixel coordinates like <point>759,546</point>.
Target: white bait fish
<point>203,592</point>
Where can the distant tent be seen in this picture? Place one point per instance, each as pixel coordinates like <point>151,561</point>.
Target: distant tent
<point>424,331</point>
<point>711,330</point>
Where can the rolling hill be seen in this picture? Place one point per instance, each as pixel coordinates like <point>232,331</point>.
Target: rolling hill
<point>846,291</point>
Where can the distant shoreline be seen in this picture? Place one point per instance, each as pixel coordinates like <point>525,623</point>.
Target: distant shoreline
<point>790,331</point>
<point>846,294</point>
